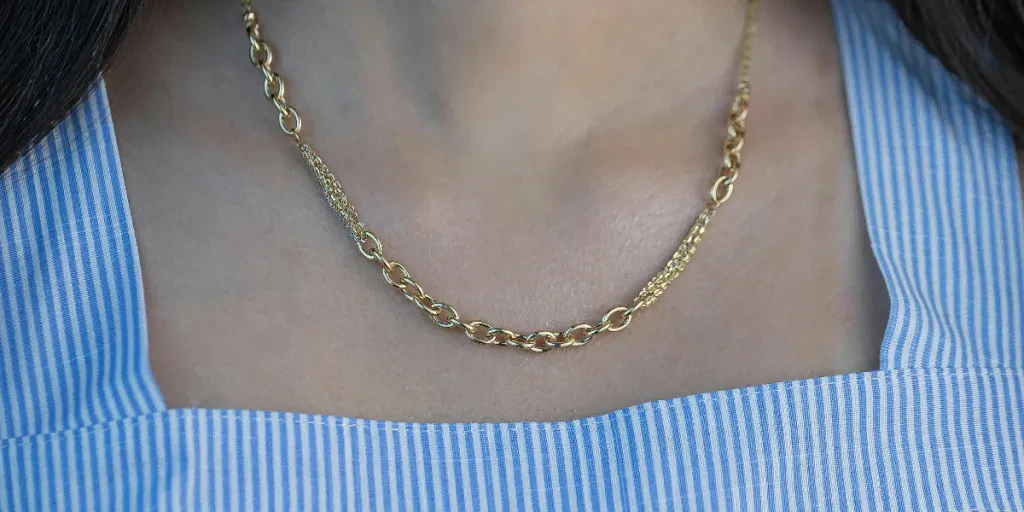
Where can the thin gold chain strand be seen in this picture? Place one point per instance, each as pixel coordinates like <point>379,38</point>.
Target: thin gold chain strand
<point>443,314</point>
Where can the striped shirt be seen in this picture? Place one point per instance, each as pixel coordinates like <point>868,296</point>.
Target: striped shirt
<point>83,425</point>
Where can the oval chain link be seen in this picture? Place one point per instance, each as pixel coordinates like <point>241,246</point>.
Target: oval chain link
<point>445,315</point>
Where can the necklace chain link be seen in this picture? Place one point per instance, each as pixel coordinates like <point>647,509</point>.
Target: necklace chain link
<point>443,314</point>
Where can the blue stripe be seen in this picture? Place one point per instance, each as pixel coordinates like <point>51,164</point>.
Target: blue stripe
<point>44,303</point>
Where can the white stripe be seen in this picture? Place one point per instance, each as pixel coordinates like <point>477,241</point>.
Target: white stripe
<point>192,465</point>
<point>204,487</point>
<point>239,455</point>
<point>275,428</point>
<point>480,484</point>
<point>378,476</point>
<point>347,456</point>
<point>262,461</point>
<point>215,440</point>
<point>160,495</point>
<point>407,468</point>
<point>437,465</point>
<point>321,463</point>
<point>362,469</point>
<point>389,433</point>
<point>302,425</point>
<point>336,471</point>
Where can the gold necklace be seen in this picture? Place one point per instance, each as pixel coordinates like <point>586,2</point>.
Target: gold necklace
<point>444,314</point>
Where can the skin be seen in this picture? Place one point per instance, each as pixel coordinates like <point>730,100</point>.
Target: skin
<point>533,163</point>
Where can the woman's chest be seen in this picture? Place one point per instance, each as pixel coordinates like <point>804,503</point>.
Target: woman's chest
<point>257,299</point>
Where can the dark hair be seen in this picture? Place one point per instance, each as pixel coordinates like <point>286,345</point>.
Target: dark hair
<point>54,50</point>
<point>981,41</point>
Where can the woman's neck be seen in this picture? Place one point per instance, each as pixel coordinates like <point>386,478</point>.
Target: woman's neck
<point>496,76</point>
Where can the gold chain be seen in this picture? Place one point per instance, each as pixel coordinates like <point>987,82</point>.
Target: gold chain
<point>444,314</point>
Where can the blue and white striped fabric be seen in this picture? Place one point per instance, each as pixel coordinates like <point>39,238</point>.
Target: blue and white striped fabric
<point>72,326</point>
<point>938,427</point>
